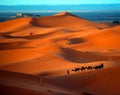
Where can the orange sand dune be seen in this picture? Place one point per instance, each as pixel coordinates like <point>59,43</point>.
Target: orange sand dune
<point>35,54</point>
<point>61,20</point>
<point>108,38</point>
<point>19,83</point>
<point>104,82</point>
<point>13,56</point>
<point>107,25</point>
<point>11,25</point>
<point>81,56</point>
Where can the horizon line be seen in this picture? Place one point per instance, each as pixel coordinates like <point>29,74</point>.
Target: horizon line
<point>60,4</point>
<point>64,11</point>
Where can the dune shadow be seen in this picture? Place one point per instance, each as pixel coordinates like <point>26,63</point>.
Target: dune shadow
<point>76,41</point>
<point>84,56</point>
<point>14,45</point>
<point>36,22</point>
<point>31,36</point>
<point>86,93</point>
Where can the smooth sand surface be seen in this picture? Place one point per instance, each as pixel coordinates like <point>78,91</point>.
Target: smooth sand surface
<point>38,56</point>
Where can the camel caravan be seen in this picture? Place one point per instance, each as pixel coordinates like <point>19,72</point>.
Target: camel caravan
<point>88,68</point>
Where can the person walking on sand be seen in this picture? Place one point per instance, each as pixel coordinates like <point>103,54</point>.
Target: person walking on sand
<point>68,72</point>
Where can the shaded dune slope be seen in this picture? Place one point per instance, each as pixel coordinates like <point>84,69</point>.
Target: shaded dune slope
<point>85,82</point>
<point>86,56</point>
<point>20,83</point>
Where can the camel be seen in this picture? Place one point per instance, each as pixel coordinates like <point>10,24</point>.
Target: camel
<point>89,68</point>
<point>82,68</point>
<point>76,69</point>
<point>99,67</point>
<point>102,65</point>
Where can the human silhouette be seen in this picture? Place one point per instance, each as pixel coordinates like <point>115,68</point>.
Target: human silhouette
<point>68,72</point>
<point>31,33</point>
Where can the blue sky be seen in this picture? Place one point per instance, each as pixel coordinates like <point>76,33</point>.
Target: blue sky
<point>54,2</point>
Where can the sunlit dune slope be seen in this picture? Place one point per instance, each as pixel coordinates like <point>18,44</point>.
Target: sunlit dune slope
<point>61,20</point>
<point>11,25</point>
<point>107,39</point>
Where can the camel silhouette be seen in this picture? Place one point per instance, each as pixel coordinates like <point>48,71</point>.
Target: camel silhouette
<point>76,69</point>
<point>101,66</point>
<point>89,68</point>
<point>82,68</point>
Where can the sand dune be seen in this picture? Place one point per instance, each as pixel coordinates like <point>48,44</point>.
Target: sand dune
<point>81,56</point>
<point>19,83</point>
<point>61,20</point>
<point>94,83</point>
<point>12,25</point>
<point>35,54</point>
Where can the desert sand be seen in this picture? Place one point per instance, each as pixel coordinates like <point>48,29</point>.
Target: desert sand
<point>38,56</point>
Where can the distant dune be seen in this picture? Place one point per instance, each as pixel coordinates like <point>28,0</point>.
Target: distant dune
<point>61,54</point>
